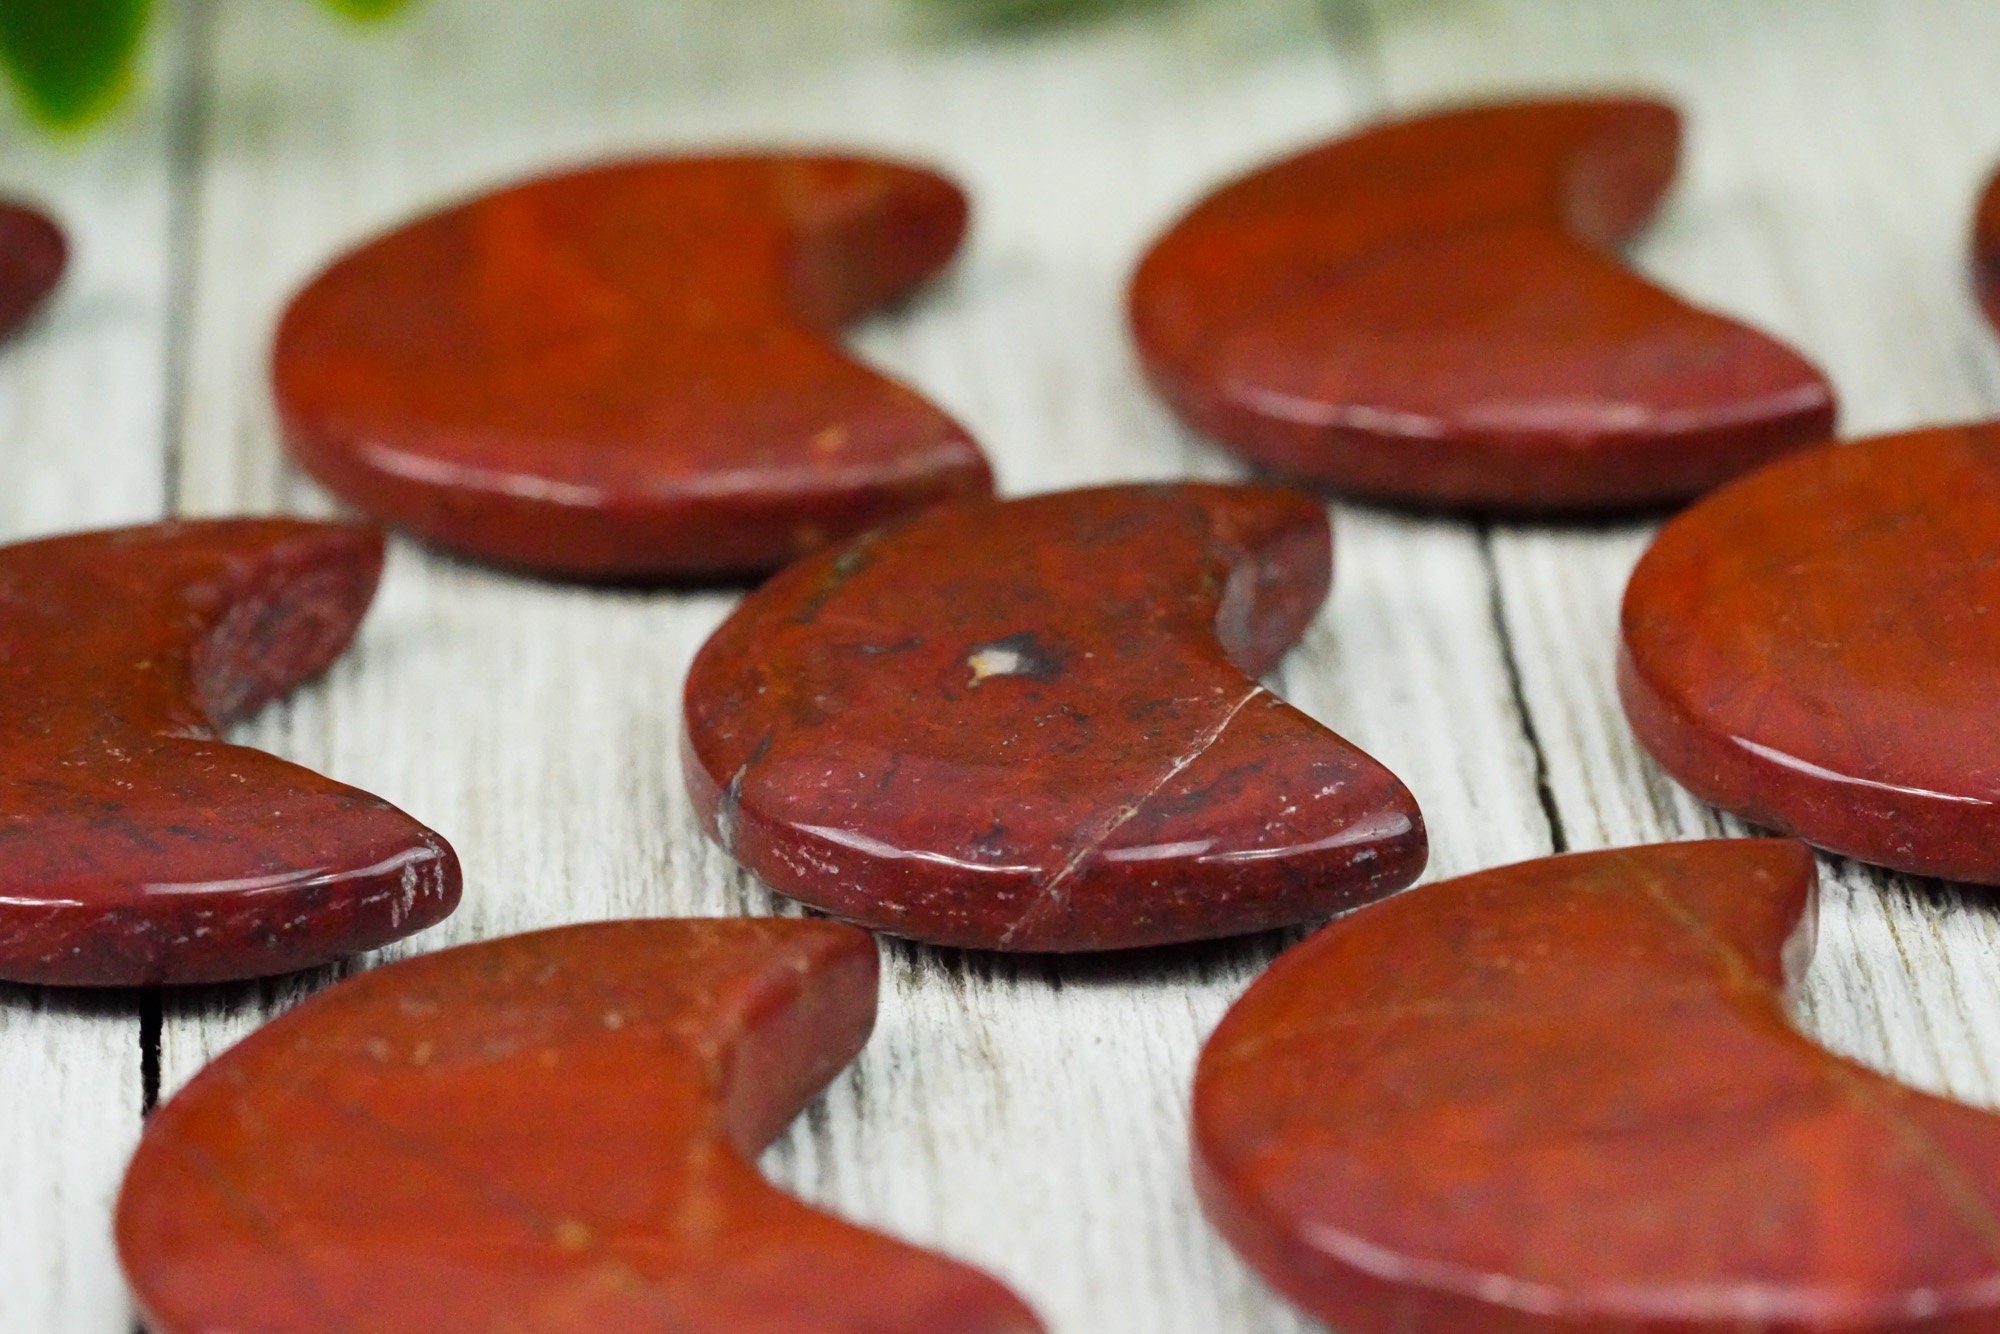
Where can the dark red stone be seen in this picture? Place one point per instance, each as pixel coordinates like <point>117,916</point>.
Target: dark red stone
<point>1817,648</point>
<point>32,256</point>
<point>549,1134</point>
<point>631,371</point>
<point>1566,1096</point>
<point>1431,312</point>
<point>136,846</point>
<point>1034,725</point>
<point>1986,250</point>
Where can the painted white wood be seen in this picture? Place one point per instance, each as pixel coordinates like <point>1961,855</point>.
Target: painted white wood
<point>83,401</point>
<point>1834,154</point>
<point>1028,1115</point>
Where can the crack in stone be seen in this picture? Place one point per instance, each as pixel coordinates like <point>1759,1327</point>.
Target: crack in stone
<point>1053,892</point>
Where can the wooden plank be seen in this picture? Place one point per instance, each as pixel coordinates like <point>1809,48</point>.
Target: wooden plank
<point>1027,1114</point>
<point>84,394</point>
<point>1834,154</point>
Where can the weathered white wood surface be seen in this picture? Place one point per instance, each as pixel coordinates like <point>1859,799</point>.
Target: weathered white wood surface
<point>1027,1115</point>
<point>1835,151</point>
<point>86,399</point>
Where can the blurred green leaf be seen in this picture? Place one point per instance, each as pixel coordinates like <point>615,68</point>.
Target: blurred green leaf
<point>70,59</point>
<point>363,9</point>
<point>1001,15</point>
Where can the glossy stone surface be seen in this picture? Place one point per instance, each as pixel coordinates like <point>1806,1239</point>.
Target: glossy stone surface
<point>1431,312</point>
<point>546,1134</point>
<point>1817,648</point>
<point>631,371</point>
<point>1566,1095</point>
<point>1986,250</point>
<point>138,847</point>
<point>32,256</point>
<point>1034,725</point>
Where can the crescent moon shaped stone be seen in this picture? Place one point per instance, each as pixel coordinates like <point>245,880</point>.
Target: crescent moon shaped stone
<point>549,1133</point>
<point>1817,648</point>
<point>1035,725</point>
<point>33,254</point>
<point>1430,312</point>
<point>1986,250</point>
<point>1567,1096</point>
<point>136,846</point>
<point>631,371</point>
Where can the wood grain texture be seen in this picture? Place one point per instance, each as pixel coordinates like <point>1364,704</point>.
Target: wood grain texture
<point>1025,1115</point>
<point>1834,155</point>
<point>535,726</point>
<point>84,397</point>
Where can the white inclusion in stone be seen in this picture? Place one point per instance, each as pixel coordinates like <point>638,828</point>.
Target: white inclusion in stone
<point>1016,655</point>
<point>994,662</point>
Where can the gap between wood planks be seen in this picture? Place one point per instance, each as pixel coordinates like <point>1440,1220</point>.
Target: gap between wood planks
<point>189,108</point>
<point>1545,791</point>
<point>1350,26</point>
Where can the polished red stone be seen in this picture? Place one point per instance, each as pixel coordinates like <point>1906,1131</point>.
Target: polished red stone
<point>1817,648</point>
<point>1567,1096</point>
<point>32,256</point>
<point>632,370</point>
<point>1431,312</point>
<point>1986,250</point>
<point>138,847</point>
<point>1034,725</point>
<point>548,1134</point>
